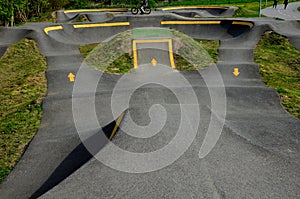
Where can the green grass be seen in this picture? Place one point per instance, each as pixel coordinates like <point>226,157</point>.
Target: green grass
<point>182,64</point>
<point>22,87</point>
<point>211,47</point>
<point>86,49</point>
<point>121,65</point>
<point>111,57</point>
<point>195,52</point>
<point>298,9</point>
<point>280,69</point>
<point>247,10</point>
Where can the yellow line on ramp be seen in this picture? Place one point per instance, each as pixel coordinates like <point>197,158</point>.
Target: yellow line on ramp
<point>190,22</point>
<point>95,10</point>
<point>135,62</point>
<point>48,29</point>
<point>194,7</point>
<point>101,25</point>
<point>244,23</point>
<point>171,54</point>
<point>118,122</point>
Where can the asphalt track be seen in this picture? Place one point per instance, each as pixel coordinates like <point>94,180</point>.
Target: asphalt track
<point>257,153</point>
<point>98,15</point>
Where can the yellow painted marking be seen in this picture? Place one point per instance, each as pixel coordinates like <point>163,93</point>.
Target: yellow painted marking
<point>236,72</point>
<point>71,77</point>
<point>154,62</point>
<point>135,61</point>
<point>101,25</point>
<point>95,10</point>
<point>194,7</point>
<point>118,122</point>
<point>190,22</point>
<point>171,54</point>
<point>245,23</point>
<point>48,29</point>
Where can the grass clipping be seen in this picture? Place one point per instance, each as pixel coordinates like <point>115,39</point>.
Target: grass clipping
<point>116,56</point>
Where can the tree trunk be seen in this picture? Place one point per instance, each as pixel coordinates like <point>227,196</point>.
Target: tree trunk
<point>12,20</point>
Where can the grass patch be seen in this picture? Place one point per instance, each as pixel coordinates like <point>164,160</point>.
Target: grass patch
<point>211,47</point>
<point>247,10</point>
<point>280,69</point>
<point>86,49</point>
<point>121,65</point>
<point>111,57</point>
<point>182,64</point>
<point>193,54</point>
<point>22,87</point>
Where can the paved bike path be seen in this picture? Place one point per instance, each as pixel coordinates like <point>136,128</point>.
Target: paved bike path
<point>257,154</point>
<point>290,13</point>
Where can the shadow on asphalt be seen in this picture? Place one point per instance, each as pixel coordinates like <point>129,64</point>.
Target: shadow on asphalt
<point>78,157</point>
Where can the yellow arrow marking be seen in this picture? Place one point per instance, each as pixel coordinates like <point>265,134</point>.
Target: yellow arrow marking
<point>71,76</point>
<point>154,62</point>
<point>236,72</point>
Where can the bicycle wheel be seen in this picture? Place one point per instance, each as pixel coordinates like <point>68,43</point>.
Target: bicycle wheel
<point>147,10</point>
<point>134,10</point>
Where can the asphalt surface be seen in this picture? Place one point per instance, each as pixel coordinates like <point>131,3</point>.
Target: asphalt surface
<point>100,15</point>
<point>290,13</point>
<point>200,134</point>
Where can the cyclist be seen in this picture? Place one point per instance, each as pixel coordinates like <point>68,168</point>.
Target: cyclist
<point>144,4</point>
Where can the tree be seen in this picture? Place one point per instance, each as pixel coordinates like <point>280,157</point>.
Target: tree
<point>58,4</point>
<point>6,12</point>
<point>20,10</point>
<point>38,6</point>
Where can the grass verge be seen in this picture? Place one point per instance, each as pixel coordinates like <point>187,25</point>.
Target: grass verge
<point>22,87</point>
<point>280,69</point>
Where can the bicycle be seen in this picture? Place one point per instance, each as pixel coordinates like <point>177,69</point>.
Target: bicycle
<point>135,10</point>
